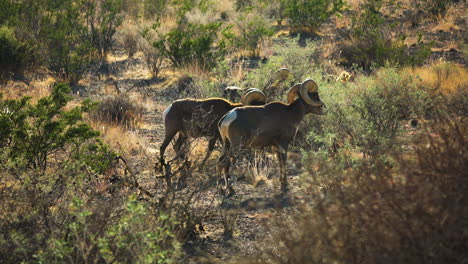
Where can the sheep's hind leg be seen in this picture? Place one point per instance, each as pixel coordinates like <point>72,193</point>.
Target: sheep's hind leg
<point>162,149</point>
<point>211,145</point>
<point>224,163</point>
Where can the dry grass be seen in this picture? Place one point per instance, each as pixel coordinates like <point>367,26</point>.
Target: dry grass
<point>36,89</point>
<point>195,69</point>
<point>447,23</point>
<point>445,77</point>
<point>260,169</point>
<point>224,6</point>
<point>125,142</point>
<point>196,16</point>
<point>118,110</point>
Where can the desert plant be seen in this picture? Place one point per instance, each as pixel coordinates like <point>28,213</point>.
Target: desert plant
<point>253,30</point>
<point>154,8</point>
<point>365,119</point>
<point>436,8</point>
<point>380,44</point>
<point>309,15</point>
<point>13,54</point>
<point>411,213</point>
<point>132,8</point>
<point>119,110</point>
<point>291,49</point>
<point>194,43</point>
<point>69,50</point>
<point>33,134</point>
<point>8,10</point>
<point>67,198</point>
<point>102,19</point>
<point>130,38</point>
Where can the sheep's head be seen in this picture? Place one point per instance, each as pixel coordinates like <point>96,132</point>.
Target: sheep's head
<point>308,91</point>
<point>253,96</point>
<point>232,93</point>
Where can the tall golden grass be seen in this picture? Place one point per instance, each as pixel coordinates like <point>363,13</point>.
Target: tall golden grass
<point>444,77</point>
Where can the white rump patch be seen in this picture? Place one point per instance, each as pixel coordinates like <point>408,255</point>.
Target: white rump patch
<point>165,113</point>
<point>230,117</point>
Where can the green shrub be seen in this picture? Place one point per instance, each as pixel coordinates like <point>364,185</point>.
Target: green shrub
<point>242,5</point>
<point>132,8</point>
<point>308,15</point>
<point>8,10</point>
<point>364,120</point>
<point>373,43</point>
<point>13,53</point>
<point>64,199</point>
<point>288,52</point>
<point>103,18</point>
<point>69,49</point>
<point>31,134</point>
<point>194,44</point>
<point>253,30</point>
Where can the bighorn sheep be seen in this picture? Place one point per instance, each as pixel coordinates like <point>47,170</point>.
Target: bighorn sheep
<point>194,118</point>
<point>274,124</point>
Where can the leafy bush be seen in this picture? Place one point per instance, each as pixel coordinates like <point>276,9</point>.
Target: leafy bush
<point>132,8</point>
<point>8,10</point>
<point>412,213</point>
<point>364,120</point>
<point>253,30</point>
<point>64,197</point>
<point>103,18</point>
<point>194,44</point>
<point>288,52</point>
<point>70,51</point>
<point>373,42</point>
<point>13,53</point>
<point>32,134</point>
<point>307,15</point>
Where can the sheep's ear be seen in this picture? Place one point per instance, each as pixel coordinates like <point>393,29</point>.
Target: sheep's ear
<point>293,92</point>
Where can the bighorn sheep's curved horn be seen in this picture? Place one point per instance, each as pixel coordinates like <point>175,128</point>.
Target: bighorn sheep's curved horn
<point>293,92</point>
<point>309,86</point>
<point>282,74</point>
<point>246,91</point>
<point>253,95</point>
